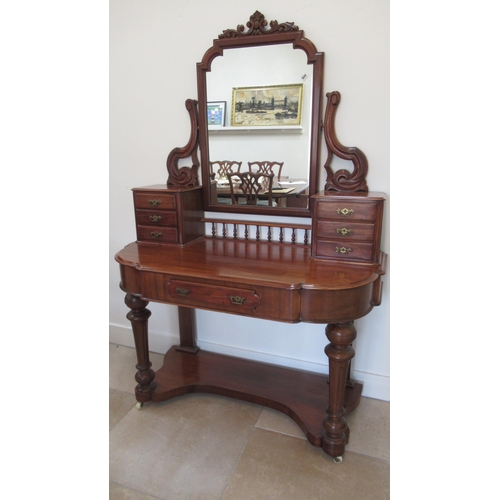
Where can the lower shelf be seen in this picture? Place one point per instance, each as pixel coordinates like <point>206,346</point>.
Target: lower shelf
<point>303,396</point>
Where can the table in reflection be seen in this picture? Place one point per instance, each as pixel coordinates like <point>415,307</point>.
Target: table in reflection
<point>287,193</point>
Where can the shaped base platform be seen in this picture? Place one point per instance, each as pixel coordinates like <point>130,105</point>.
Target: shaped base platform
<point>303,396</point>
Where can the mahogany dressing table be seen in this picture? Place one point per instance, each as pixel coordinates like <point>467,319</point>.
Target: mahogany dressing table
<point>328,271</point>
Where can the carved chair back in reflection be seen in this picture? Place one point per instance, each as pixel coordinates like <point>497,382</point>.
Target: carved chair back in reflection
<point>266,167</point>
<point>253,188</point>
<point>223,167</point>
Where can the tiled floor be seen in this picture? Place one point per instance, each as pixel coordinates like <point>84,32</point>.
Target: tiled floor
<point>208,447</point>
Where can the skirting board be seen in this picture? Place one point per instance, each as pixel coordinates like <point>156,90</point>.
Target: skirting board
<point>374,386</point>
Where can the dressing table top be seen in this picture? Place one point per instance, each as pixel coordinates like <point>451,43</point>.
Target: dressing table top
<point>261,263</point>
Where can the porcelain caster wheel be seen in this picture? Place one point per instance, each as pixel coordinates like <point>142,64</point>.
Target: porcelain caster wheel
<point>337,460</point>
<point>138,405</point>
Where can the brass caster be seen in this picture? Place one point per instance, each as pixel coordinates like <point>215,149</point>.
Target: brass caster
<point>337,460</point>
<point>138,405</point>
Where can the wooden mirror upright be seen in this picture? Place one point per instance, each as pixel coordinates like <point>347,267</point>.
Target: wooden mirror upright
<point>328,271</point>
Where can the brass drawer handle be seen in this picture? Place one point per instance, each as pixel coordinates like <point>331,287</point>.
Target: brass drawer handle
<point>346,212</point>
<point>155,203</point>
<point>182,291</point>
<point>156,234</point>
<point>344,231</point>
<point>155,218</point>
<point>343,250</point>
<point>237,300</point>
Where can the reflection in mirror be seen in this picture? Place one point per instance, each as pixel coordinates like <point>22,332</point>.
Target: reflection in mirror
<point>263,66</point>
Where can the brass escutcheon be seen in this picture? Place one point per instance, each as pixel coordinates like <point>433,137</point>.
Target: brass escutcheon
<point>156,234</point>
<point>155,203</point>
<point>155,218</point>
<point>345,211</point>
<point>343,250</point>
<point>182,291</point>
<point>344,231</point>
<point>237,300</point>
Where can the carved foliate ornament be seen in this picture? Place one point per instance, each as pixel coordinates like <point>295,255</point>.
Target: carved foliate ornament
<point>257,25</point>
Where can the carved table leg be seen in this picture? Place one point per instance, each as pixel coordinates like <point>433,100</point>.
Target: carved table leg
<point>339,352</point>
<point>138,316</point>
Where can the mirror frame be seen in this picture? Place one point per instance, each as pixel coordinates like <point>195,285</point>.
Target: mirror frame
<point>259,34</point>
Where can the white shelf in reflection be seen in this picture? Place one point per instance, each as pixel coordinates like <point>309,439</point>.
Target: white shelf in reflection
<point>292,129</point>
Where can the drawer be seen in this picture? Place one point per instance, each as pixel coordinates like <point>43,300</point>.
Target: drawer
<point>228,299</point>
<point>155,217</point>
<point>154,200</point>
<point>157,233</point>
<point>343,250</point>
<point>277,304</point>
<point>344,230</point>
<point>347,210</point>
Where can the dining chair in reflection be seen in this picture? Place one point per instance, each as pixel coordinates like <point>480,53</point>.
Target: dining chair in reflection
<point>251,188</point>
<point>223,167</point>
<point>266,167</point>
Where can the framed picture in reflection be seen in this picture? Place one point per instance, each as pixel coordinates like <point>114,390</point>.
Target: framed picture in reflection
<point>216,113</point>
<point>274,105</point>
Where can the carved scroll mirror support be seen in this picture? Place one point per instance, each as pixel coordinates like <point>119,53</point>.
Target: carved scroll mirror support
<point>342,180</point>
<point>186,176</point>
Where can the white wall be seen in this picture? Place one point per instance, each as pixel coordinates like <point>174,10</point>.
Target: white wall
<point>154,48</point>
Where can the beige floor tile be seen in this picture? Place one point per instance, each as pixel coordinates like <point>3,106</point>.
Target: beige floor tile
<point>370,428</point>
<point>120,403</point>
<point>369,424</point>
<point>185,448</point>
<point>190,447</point>
<point>122,361</point>
<point>274,420</point>
<point>276,466</point>
<point>118,492</point>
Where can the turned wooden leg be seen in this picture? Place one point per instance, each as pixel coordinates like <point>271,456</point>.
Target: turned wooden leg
<point>339,352</point>
<point>138,316</point>
<point>187,330</point>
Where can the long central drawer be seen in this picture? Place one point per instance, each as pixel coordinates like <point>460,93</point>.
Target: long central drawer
<point>201,295</point>
<point>259,301</point>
